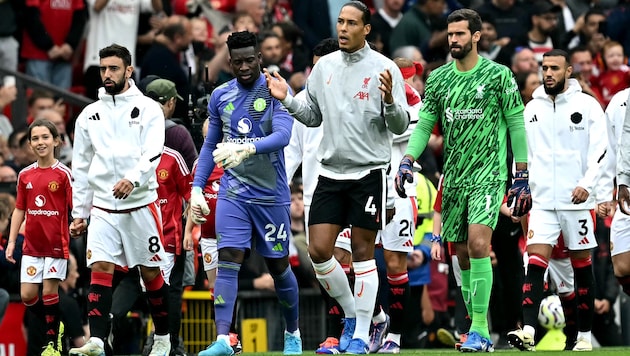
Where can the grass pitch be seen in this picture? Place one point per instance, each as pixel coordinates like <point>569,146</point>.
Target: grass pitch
<point>613,351</point>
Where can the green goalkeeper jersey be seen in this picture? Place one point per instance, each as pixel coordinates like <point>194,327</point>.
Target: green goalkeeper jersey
<point>477,108</point>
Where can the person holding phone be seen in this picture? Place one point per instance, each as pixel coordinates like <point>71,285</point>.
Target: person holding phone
<point>8,94</point>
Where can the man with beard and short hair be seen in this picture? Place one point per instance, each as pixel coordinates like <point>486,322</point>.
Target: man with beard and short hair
<point>544,21</point>
<point>478,102</point>
<point>566,134</point>
<point>271,50</point>
<point>351,187</point>
<point>118,142</point>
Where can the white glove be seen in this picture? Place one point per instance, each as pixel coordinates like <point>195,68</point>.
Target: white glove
<point>229,155</point>
<point>198,206</point>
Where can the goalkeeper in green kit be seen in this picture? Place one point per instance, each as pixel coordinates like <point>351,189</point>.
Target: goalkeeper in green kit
<point>478,102</point>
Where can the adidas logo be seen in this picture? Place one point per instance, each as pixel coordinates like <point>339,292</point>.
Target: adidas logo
<point>584,241</point>
<point>534,119</point>
<point>229,108</point>
<point>218,299</point>
<point>29,185</point>
<point>95,117</point>
<point>278,248</point>
<point>52,270</point>
<point>155,258</point>
<point>408,243</point>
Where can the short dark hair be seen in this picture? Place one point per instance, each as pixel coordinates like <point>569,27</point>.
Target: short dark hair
<point>39,94</point>
<point>580,48</point>
<point>174,27</point>
<point>43,123</point>
<point>367,15</point>
<point>472,16</point>
<point>242,39</point>
<point>594,11</point>
<point>326,46</point>
<point>558,53</point>
<point>116,50</point>
<point>264,35</point>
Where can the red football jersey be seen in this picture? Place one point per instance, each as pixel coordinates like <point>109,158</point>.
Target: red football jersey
<point>211,193</point>
<point>174,181</point>
<point>45,195</point>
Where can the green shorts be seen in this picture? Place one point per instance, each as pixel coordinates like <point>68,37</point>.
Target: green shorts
<point>461,207</point>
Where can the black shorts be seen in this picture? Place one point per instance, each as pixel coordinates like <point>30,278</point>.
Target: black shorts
<point>360,203</point>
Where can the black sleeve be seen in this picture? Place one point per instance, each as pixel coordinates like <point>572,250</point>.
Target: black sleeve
<point>79,18</point>
<point>36,30</point>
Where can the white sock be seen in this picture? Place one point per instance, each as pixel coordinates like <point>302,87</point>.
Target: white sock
<point>98,341</point>
<point>365,290</point>
<point>586,335</point>
<point>331,276</point>
<point>530,330</point>
<point>225,338</point>
<point>393,337</point>
<point>166,337</point>
<point>295,333</point>
<point>380,317</point>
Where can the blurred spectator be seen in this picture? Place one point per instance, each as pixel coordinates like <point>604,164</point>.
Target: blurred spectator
<point>111,21</point>
<point>586,25</point>
<point>490,46</point>
<point>566,19</point>
<point>20,150</point>
<point>9,272</point>
<point>527,82</point>
<point>423,25</point>
<point>277,11</point>
<point>65,148</point>
<point>149,26</point>
<point>616,74</point>
<point>255,9</point>
<point>39,100</point>
<point>511,17</point>
<point>8,94</point>
<point>383,23</point>
<point>617,24</point>
<point>52,32</point>
<point>544,21</point>
<point>7,175</point>
<point>524,60</point>
<point>272,51</point>
<point>163,58</point>
<point>314,18</point>
<point>413,53</point>
<point>582,62</point>
<point>294,54</point>
<point>8,27</point>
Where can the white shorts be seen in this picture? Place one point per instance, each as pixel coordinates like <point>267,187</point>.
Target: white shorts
<point>576,226</point>
<point>343,241</point>
<point>210,253</point>
<point>398,234</point>
<point>168,267</point>
<point>126,239</point>
<point>619,233</point>
<point>36,269</point>
<point>560,276</point>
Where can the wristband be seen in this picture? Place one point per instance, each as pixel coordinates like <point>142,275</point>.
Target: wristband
<point>436,238</point>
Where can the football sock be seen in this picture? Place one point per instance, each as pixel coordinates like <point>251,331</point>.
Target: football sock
<point>398,297</point>
<point>334,281</point>
<point>466,291</point>
<point>533,289</point>
<point>157,295</point>
<point>51,316</point>
<point>225,290</point>
<point>100,304</point>
<point>287,292</point>
<point>584,286</point>
<point>365,291</point>
<point>569,307</point>
<point>480,289</point>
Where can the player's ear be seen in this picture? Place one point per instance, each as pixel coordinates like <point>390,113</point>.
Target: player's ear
<point>476,36</point>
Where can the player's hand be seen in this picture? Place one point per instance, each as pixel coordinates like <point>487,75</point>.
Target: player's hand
<point>78,227</point>
<point>122,189</point>
<point>579,195</point>
<point>389,215</point>
<point>623,198</point>
<point>385,78</point>
<point>520,194</point>
<point>278,87</point>
<point>8,252</point>
<point>198,206</point>
<point>436,251</point>
<point>188,242</point>
<point>404,174</point>
<point>415,259</point>
<point>229,155</point>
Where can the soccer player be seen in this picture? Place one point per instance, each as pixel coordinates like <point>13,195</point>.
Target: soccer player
<point>566,136</point>
<point>478,102</point>
<point>358,96</point>
<point>44,198</point>
<point>254,198</point>
<point>118,141</point>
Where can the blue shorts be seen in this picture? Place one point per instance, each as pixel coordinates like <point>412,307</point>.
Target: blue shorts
<point>269,226</point>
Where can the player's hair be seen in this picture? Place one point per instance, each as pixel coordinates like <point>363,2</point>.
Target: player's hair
<point>367,15</point>
<point>116,50</point>
<point>242,39</point>
<point>558,53</point>
<point>326,46</point>
<point>43,123</point>
<point>472,16</point>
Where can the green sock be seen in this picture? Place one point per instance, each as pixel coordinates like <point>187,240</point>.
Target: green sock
<point>481,287</point>
<point>466,291</point>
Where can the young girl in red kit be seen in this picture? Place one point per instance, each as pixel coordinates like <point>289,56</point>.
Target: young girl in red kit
<point>44,198</point>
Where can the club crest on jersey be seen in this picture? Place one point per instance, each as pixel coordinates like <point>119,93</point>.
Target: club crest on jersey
<point>260,104</point>
<point>480,91</point>
<point>244,126</point>
<point>162,174</point>
<point>366,81</point>
<point>31,270</point>
<point>40,201</point>
<point>207,258</point>
<point>53,186</point>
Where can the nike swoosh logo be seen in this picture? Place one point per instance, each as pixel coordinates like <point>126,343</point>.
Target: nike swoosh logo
<point>327,286</point>
<point>360,294</point>
<point>329,79</point>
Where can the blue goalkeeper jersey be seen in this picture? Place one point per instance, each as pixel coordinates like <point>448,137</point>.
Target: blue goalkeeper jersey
<point>240,114</point>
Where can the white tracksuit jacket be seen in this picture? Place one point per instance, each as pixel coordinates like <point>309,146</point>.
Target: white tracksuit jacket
<point>567,143</point>
<point>116,137</point>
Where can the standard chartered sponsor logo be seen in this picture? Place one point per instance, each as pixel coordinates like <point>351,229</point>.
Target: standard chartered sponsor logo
<point>243,139</point>
<point>468,114</point>
<point>48,213</point>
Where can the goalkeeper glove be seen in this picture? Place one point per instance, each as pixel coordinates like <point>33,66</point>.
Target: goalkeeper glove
<point>229,155</point>
<point>520,194</point>
<point>198,206</point>
<point>404,173</point>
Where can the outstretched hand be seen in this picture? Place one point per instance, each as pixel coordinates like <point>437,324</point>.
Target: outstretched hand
<point>385,78</point>
<point>278,87</point>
